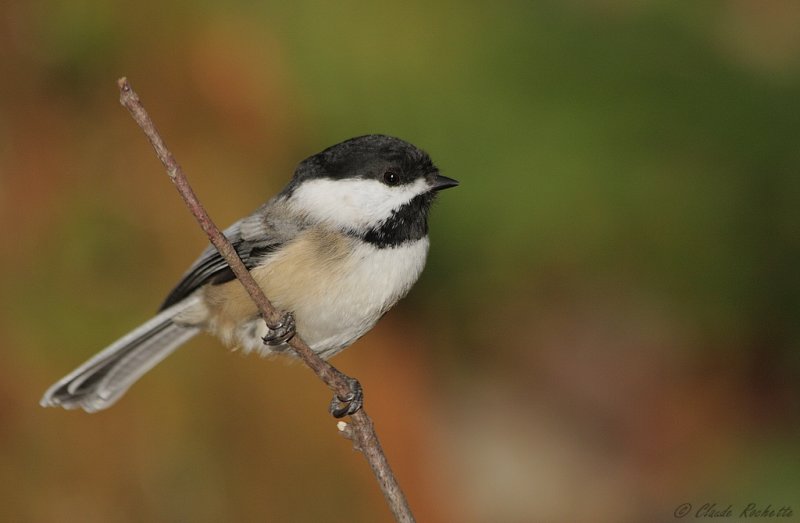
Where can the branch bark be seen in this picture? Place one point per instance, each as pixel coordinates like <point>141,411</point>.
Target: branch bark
<point>361,430</point>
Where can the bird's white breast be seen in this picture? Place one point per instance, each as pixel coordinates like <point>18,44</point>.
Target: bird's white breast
<point>337,287</point>
<point>372,281</point>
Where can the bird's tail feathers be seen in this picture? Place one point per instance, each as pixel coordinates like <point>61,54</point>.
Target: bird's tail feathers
<point>103,379</point>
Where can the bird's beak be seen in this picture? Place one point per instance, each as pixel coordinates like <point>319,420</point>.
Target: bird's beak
<point>443,182</point>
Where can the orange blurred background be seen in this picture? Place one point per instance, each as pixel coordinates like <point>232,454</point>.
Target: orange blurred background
<point>608,324</point>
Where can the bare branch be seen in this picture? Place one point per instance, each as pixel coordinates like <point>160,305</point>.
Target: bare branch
<point>361,430</point>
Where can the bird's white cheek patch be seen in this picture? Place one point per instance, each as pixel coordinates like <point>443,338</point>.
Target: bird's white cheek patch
<point>353,203</point>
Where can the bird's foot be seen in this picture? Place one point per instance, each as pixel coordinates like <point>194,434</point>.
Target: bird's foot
<point>282,332</point>
<point>350,403</point>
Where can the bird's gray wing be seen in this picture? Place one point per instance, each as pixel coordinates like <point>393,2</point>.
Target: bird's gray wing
<point>254,238</point>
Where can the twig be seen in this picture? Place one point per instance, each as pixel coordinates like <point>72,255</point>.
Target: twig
<point>361,430</point>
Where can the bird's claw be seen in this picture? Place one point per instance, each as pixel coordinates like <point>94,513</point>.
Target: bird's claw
<point>282,332</point>
<point>349,404</point>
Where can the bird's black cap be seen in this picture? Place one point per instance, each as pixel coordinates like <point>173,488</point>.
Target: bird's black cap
<point>370,156</point>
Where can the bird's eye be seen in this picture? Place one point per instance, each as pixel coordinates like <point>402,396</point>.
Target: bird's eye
<point>391,178</point>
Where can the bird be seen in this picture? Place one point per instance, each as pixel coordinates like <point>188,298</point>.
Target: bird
<point>344,240</point>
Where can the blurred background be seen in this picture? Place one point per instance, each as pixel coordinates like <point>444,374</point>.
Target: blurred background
<point>608,324</point>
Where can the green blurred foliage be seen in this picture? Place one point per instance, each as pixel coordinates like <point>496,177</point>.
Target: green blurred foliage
<point>607,326</point>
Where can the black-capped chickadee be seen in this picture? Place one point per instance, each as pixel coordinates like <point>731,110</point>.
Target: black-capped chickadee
<point>338,247</point>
